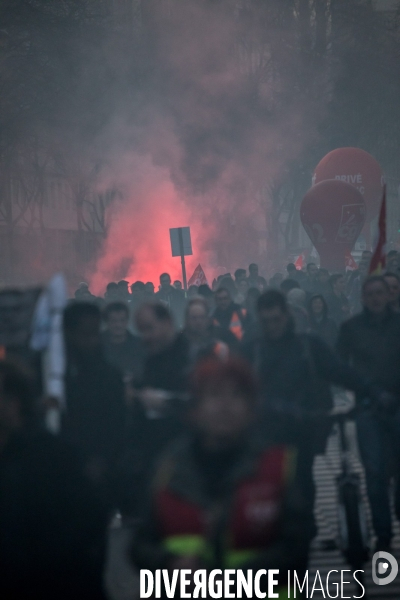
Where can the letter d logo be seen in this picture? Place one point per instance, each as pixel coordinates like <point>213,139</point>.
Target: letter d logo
<point>380,566</point>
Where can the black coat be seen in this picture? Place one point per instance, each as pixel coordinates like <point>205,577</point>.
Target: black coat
<point>372,347</point>
<point>95,414</point>
<point>149,433</point>
<point>295,374</point>
<point>127,357</point>
<point>52,525</point>
<point>224,317</point>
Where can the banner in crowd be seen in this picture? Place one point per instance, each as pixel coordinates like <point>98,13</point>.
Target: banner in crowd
<point>198,278</point>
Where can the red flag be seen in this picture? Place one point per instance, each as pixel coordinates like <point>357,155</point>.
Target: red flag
<point>351,264</point>
<point>378,260</point>
<point>198,277</point>
<point>299,264</point>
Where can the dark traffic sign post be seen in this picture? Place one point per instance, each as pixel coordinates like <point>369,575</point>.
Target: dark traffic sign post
<point>181,245</point>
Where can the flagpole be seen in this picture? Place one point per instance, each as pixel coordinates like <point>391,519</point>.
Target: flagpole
<point>378,260</point>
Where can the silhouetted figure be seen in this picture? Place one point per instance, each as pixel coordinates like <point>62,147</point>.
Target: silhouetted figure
<point>228,315</point>
<point>254,279</point>
<point>160,397</point>
<point>52,526</point>
<point>94,418</point>
<point>295,373</point>
<point>121,348</point>
<point>370,342</point>
<point>174,299</point>
<point>204,339</point>
<point>319,321</point>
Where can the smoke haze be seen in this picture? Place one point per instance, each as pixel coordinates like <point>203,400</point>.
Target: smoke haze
<point>210,131</point>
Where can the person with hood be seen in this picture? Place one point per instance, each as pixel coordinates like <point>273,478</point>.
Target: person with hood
<point>319,321</point>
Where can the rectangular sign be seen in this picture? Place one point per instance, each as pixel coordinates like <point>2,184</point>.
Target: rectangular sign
<point>181,244</point>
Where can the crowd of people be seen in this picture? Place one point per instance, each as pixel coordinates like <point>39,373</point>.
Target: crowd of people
<point>198,416</point>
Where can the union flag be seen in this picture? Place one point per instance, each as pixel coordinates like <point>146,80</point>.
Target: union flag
<point>198,277</point>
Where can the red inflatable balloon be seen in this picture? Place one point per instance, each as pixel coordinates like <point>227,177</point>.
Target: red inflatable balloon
<point>333,215</point>
<point>357,167</point>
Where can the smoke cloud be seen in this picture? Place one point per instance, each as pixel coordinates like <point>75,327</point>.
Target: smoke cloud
<point>211,126</point>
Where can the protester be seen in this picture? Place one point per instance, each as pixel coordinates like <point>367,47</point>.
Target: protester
<point>178,284</point>
<point>323,286</point>
<point>121,348</point>
<point>311,283</point>
<point>173,298</point>
<point>297,302</point>
<point>52,525</point>
<point>149,290</point>
<point>83,293</point>
<point>276,281</point>
<point>94,418</point>
<point>254,279</point>
<point>112,292</point>
<point>222,469</point>
<point>240,275</point>
<point>206,292</point>
<point>370,342</point>
<point>161,392</point>
<point>319,321</point>
<point>338,303</point>
<point>138,295</point>
<point>228,315</point>
<point>193,291</point>
<point>393,281</point>
<point>241,295</point>
<point>227,282</point>
<point>293,273</point>
<point>355,286</point>
<point>123,291</point>
<point>295,373</point>
<point>289,284</point>
<point>203,338</point>
<point>250,306</point>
